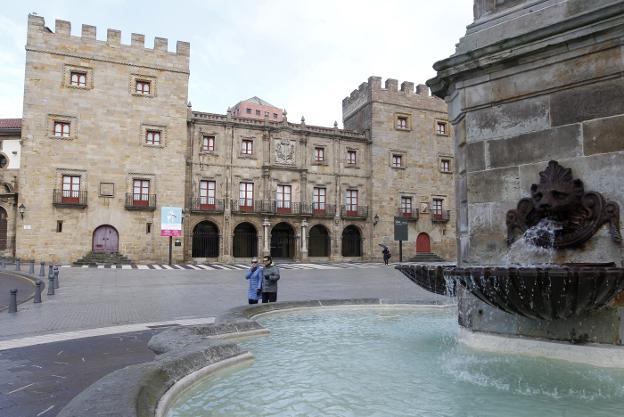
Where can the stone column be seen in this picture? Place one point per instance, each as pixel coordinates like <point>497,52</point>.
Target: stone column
<point>266,250</point>
<point>304,240</point>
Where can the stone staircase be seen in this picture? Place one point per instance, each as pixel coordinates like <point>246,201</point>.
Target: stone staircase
<point>426,257</point>
<point>103,259</point>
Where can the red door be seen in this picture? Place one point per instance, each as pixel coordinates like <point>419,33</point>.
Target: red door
<point>423,244</point>
<point>105,239</point>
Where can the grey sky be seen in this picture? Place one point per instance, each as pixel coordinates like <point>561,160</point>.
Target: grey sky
<point>304,56</point>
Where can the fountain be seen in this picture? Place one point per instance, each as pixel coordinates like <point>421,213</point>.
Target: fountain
<point>534,91</point>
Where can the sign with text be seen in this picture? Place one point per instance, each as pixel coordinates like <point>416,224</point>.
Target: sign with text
<point>171,221</point>
<point>400,228</point>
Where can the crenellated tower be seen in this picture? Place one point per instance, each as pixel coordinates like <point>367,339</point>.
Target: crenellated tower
<point>411,160</point>
<point>104,142</point>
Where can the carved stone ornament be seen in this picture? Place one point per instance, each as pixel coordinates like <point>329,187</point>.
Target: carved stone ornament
<point>563,199</point>
<point>285,152</point>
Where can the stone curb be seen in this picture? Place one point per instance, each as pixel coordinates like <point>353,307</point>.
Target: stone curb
<point>186,354</point>
<point>28,277</point>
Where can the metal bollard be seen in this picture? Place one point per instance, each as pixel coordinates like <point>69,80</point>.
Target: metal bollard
<point>2,265</point>
<point>42,270</point>
<point>13,301</point>
<point>51,285</point>
<point>38,286</point>
<point>31,268</point>
<point>56,277</point>
<point>50,272</point>
<point>18,266</point>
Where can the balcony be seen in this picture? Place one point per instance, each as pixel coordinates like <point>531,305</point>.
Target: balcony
<point>249,206</point>
<point>144,202</point>
<point>408,214</point>
<point>322,210</point>
<point>353,212</point>
<point>207,205</point>
<point>68,198</point>
<point>441,217</point>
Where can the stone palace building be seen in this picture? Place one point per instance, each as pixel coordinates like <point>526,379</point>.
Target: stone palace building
<point>108,137</point>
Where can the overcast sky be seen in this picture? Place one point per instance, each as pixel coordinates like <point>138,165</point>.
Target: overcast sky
<point>304,56</point>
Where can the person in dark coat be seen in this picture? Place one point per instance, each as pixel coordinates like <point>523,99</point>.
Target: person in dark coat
<point>254,276</point>
<point>270,276</point>
<point>386,255</point>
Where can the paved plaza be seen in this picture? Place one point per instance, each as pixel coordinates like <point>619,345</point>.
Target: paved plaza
<point>100,320</point>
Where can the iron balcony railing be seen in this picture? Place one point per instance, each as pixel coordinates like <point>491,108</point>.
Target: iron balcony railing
<point>408,213</point>
<point>349,211</point>
<point>441,217</point>
<point>323,210</point>
<point>248,205</point>
<point>207,205</point>
<point>69,198</point>
<point>146,202</point>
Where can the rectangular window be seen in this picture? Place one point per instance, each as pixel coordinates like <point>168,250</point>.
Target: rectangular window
<point>152,137</point>
<point>436,207</point>
<point>397,161</point>
<point>318,199</point>
<point>207,194</point>
<point>351,157</point>
<point>140,192</point>
<point>246,196</point>
<point>319,154</point>
<point>351,202</point>
<point>61,129</point>
<point>208,144</point>
<point>247,147</point>
<point>71,189</point>
<point>275,115</point>
<point>59,226</point>
<point>148,228</point>
<point>445,165</point>
<point>78,79</point>
<point>257,112</point>
<point>283,198</point>
<point>406,206</point>
<point>248,111</point>
<point>402,122</point>
<point>441,128</point>
<point>142,87</point>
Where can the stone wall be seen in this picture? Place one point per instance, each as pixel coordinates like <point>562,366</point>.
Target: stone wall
<point>106,147</point>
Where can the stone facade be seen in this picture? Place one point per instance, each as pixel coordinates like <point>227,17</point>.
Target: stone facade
<point>411,162</point>
<point>533,81</point>
<point>10,149</point>
<point>109,138</point>
<point>84,117</point>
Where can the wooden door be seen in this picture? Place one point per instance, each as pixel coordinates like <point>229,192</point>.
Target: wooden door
<point>105,239</point>
<point>423,244</point>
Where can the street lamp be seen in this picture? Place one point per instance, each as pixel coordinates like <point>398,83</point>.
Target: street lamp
<point>375,220</point>
<point>21,210</point>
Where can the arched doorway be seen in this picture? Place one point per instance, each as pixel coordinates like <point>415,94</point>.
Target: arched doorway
<point>282,241</point>
<point>3,228</point>
<point>351,241</point>
<point>423,243</point>
<point>105,239</point>
<point>319,241</point>
<point>245,244</point>
<point>205,240</point>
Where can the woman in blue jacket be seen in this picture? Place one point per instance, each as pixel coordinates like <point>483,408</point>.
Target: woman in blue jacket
<point>254,276</point>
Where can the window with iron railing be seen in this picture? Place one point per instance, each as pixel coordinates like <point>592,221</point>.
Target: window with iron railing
<point>436,207</point>
<point>351,202</point>
<point>246,196</point>
<point>140,192</point>
<point>71,189</point>
<point>283,198</point>
<point>207,190</point>
<point>406,206</point>
<point>319,199</point>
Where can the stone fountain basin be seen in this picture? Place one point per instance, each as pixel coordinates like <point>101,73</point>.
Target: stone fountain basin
<point>543,293</point>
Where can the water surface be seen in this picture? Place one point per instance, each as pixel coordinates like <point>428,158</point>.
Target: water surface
<point>394,363</point>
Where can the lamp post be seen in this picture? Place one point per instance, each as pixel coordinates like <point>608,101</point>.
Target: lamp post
<point>22,210</point>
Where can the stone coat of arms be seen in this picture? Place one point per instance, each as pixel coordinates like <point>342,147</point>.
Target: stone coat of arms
<point>285,152</point>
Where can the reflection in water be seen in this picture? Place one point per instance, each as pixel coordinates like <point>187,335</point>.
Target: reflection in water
<point>394,363</point>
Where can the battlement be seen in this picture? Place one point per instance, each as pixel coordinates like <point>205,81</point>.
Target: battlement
<point>408,95</point>
<point>41,37</point>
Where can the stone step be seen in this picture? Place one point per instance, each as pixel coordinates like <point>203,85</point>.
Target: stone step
<point>426,257</point>
<point>103,258</point>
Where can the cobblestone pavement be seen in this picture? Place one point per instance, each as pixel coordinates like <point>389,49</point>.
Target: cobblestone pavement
<point>230,267</point>
<point>92,298</point>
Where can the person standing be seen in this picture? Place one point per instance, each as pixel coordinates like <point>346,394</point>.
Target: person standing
<point>254,276</point>
<point>270,277</point>
<point>386,255</point>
